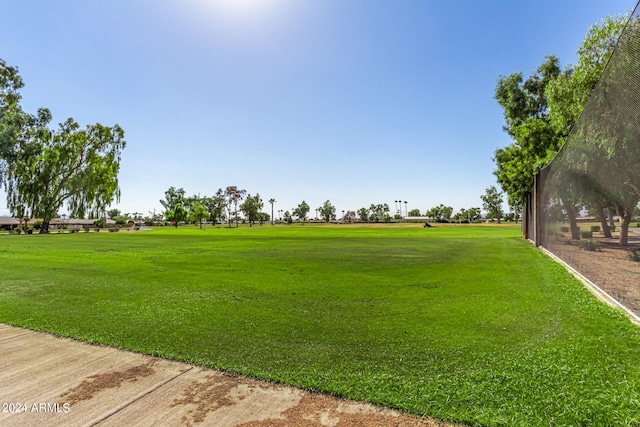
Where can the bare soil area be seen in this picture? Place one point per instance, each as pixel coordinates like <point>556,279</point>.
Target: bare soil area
<point>610,268</point>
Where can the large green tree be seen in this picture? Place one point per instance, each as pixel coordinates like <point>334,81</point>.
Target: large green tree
<point>568,93</point>
<point>217,205</point>
<point>540,112</point>
<point>178,214</point>
<point>172,197</point>
<point>327,212</point>
<point>69,166</point>
<point>526,115</point>
<point>467,215</point>
<point>492,203</point>
<point>440,213</point>
<point>363,215</point>
<point>596,161</point>
<point>112,213</point>
<point>379,212</point>
<point>251,208</point>
<point>13,121</point>
<point>198,213</point>
<point>44,169</point>
<point>301,211</point>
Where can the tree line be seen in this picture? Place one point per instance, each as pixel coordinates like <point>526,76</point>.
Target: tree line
<point>227,205</point>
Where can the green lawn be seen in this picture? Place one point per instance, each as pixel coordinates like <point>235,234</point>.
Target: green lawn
<point>467,324</point>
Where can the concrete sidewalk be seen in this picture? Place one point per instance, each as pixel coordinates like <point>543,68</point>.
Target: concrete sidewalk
<point>51,381</point>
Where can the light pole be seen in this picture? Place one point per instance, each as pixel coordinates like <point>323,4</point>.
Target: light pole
<point>406,212</point>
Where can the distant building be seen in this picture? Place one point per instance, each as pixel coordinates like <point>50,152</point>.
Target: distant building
<point>8,223</point>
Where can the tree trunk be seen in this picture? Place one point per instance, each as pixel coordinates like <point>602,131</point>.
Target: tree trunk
<point>625,219</point>
<point>44,229</point>
<point>571,214</point>
<point>603,220</point>
<point>610,211</point>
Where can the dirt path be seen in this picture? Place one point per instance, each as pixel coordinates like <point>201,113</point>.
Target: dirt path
<point>50,381</point>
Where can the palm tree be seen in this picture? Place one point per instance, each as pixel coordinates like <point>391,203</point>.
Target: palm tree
<point>272,201</point>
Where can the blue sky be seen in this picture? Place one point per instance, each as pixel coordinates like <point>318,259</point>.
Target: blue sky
<point>352,101</point>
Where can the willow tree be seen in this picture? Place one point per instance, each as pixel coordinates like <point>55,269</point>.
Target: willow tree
<point>68,166</point>
<point>13,120</point>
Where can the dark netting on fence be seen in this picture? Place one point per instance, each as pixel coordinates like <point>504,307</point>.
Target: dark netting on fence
<point>587,197</point>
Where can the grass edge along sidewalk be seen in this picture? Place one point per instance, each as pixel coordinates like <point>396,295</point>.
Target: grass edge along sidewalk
<point>465,324</point>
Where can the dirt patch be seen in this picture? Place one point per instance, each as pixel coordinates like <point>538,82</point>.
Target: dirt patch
<point>316,410</point>
<point>608,268</point>
<point>94,384</point>
<point>226,399</point>
<point>207,396</point>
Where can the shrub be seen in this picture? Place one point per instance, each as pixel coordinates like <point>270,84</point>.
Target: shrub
<point>114,230</point>
<point>586,234</point>
<point>37,225</point>
<point>595,228</point>
<point>590,245</point>
<point>633,255</point>
<point>564,229</point>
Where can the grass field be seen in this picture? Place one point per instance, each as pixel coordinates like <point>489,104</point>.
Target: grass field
<point>467,324</point>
